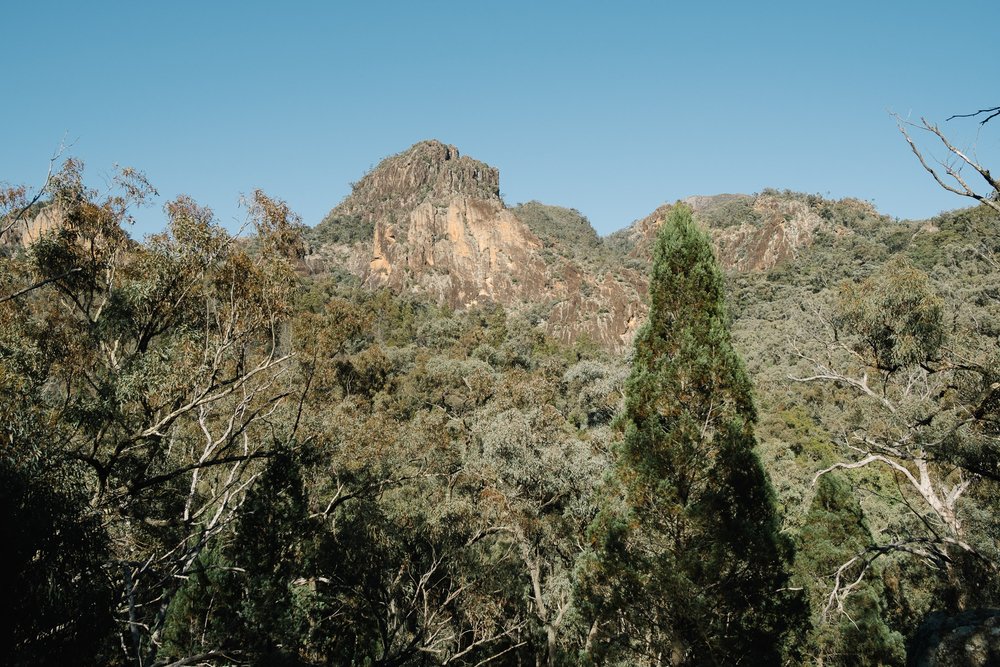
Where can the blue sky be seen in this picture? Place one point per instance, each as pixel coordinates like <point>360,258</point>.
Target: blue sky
<point>610,108</point>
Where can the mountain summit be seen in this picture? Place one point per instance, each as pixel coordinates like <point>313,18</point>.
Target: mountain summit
<point>427,170</point>
<point>438,225</point>
<point>431,221</point>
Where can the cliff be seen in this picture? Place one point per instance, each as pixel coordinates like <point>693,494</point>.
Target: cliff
<point>431,221</point>
<point>755,233</point>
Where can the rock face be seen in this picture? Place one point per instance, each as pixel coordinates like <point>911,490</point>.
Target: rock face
<point>969,639</point>
<point>429,170</point>
<point>463,249</point>
<point>784,229</point>
<point>431,221</point>
<point>438,227</point>
<point>751,233</point>
<point>29,230</point>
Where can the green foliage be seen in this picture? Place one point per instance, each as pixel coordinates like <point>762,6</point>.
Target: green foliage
<point>562,228</point>
<point>621,244</point>
<point>149,367</point>
<point>835,530</point>
<point>913,313</point>
<point>222,461</point>
<point>597,387</point>
<point>205,611</point>
<point>58,591</point>
<point>732,211</point>
<point>896,316</point>
<point>266,547</point>
<point>697,558</point>
<point>342,229</point>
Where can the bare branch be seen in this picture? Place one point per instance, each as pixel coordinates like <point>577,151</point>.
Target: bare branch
<point>992,111</point>
<point>871,458</point>
<point>29,288</point>
<point>19,215</point>
<point>199,658</point>
<point>964,190</point>
<point>841,590</point>
<point>861,385</point>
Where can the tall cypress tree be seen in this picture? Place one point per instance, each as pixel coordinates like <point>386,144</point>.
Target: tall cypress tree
<point>693,560</point>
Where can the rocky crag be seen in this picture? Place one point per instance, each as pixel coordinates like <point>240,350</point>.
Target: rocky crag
<point>430,220</point>
<point>31,228</point>
<point>755,233</point>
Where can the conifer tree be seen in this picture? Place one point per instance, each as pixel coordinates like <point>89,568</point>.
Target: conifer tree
<point>693,560</point>
<point>835,530</point>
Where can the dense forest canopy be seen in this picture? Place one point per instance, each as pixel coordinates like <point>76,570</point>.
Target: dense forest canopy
<point>230,449</point>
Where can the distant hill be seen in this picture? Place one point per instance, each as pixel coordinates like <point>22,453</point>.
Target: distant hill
<point>430,220</point>
<point>562,229</point>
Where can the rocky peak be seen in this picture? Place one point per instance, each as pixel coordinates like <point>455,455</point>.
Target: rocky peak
<point>429,220</point>
<point>751,233</point>
<point>433,221</point>
<point>429,170</point>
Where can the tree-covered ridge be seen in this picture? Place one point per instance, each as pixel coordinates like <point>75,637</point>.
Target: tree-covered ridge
<point>868,318</point>
<point>279,468</point>
<point>559,228</point>
<point>432,221</point>
<point>756,233</point>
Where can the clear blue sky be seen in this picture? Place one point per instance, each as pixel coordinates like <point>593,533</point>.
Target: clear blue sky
<point>611,108</point>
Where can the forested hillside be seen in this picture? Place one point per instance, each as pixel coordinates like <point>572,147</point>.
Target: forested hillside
<point>435,430</point>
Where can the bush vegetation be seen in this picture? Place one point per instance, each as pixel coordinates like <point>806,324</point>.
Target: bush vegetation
<point>210,458</point>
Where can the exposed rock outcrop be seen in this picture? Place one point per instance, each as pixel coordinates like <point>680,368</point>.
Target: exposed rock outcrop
<point>968,639</point>
<point>31,228</point>
<point>783,229</point>
<point>463,250</point>
<point>430,220</point>
<point>438,226</point>
<point>752,233</point>
<point>429,170</point>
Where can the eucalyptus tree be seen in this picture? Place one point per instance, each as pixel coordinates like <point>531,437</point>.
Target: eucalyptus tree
<point>925,375</point>
<point>156,372</point>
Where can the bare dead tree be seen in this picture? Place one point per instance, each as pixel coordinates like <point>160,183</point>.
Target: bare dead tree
<point>922,410</point>
<point>948,172</point>
<point>852,572</point>
<point>173,395</point>
<point>990,114</point>
<point>900,439</point>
